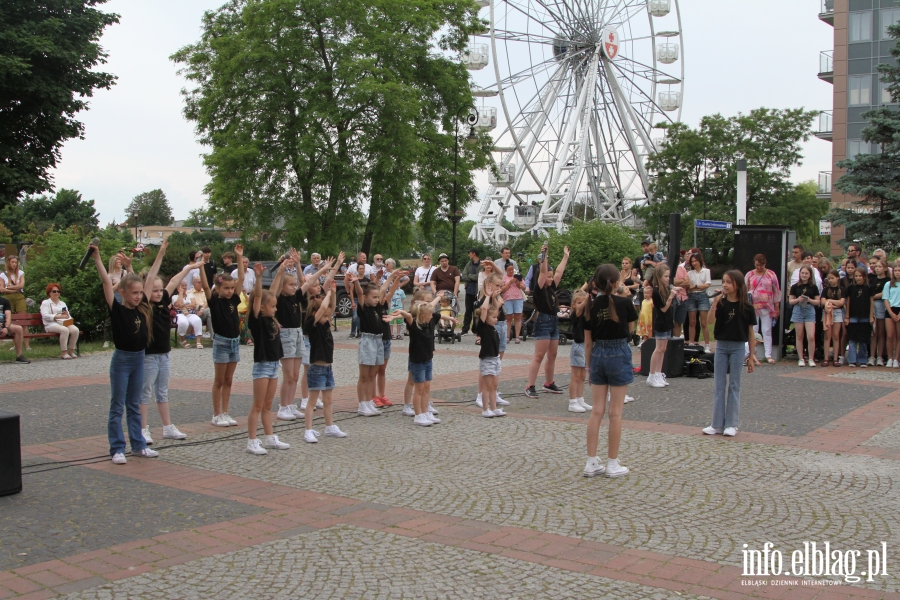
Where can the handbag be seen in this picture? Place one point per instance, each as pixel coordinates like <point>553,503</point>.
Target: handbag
<point>68,322</point>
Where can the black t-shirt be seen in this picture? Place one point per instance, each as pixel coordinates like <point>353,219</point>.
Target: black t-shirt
<point>860,297</point>
<point>224,314</point>
<point>578,325</point>
<point>290,310</point>
<point>810,290</point>
<point>601,324</point>
<point>878,286</point>
<point>501,316</point>
<point>382,310</point>
<point>129,327</point>
<point>266,338</point>
<point>369,319</point>
<point>210,269</point>
<point>490,340</point>
<point>833,293</point>
<point>5,305</point>
<point>545,299</point>
<point>731,325</point>
<point>421,340</point>
<point>162,325</point>
<point>662,320</point>
<point>321,344</point>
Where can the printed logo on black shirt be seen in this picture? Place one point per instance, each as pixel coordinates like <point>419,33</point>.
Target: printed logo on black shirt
<point>730,316</point>
<point>137,324</point>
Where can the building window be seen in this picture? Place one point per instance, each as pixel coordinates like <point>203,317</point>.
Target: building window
<point>889,16</point>
<point>860,27</point>
<point>856,147</point>
<point>886,93</point>
<point>860,88</point>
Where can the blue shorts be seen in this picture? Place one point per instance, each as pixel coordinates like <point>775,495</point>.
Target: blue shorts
<point>662,335</point>
<point>880,311</point>
<point>292,343</point>
<point>611,363</point>
<point>514,307</point>
<point>803,314</point>
<point>387,350</point>
<point>421,372</point>
<point>680,311</point>
<point>546,327</point>
<point>371,350</point>
<point>226,350</point>
<point>305,360</point>
<point>265,370</point>
<point>576,355</point>
<point>697,301</point>
<point>503,332</point>
<point>320,378</point>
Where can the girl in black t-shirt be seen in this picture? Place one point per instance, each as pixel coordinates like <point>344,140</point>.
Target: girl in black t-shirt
<point>833,316</point>
<point>223,311</point>
<point>577,363</point>
<point>861,316</point>
<point>546,325</point>
<point>130,322</point>
<point>734,319</point>
<point>804,297</point>
<point>420,295</point>
<point>663,323</point>
<point>489,354</point>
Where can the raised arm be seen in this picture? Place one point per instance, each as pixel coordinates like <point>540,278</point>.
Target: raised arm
<point>150,280</point>
<point>542,275</point>
<point>561,269</point>
<point>258,268</point>
<point>239,255</point>
<point>278,281</point>
<point>203,280</point>
<point>177,278</point>
<point>398,282</point>
<point>108,291</point>
<point>329,279</point>
<point>325,308</point>
<point>126,261</point>
<point>309,281</point>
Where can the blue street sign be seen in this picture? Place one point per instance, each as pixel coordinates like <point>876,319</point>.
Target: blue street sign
<point>701,224</point>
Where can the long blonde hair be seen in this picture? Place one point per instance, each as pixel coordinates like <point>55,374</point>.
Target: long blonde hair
<point>658,274</point>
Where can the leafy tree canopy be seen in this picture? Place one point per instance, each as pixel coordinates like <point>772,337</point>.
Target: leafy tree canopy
<point>152,209</point>
<point>48,52</point>
<point>61,211</point>
<point>200,217</point>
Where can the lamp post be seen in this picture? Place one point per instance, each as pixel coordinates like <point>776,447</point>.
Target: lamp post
<point>470,140</point>
<point>140,230</point>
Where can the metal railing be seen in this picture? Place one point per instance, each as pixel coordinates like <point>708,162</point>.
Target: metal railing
<point>826,61</point>
<point>825,187</point>
<point>826,122</point>
<point>826,6</point>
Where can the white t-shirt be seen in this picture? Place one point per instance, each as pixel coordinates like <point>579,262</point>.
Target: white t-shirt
<point>423,274</point>
<point>249,279</point>
<point>5,278</point>
<point>795,278</point>
<point>369,269</point>
<point>699,278</point>
<point>189,278</point>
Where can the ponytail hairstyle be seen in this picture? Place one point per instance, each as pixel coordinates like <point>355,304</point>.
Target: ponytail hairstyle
<point>128,280</point>
<point>605,281</point>
<point>663,290</point>
<point>419,309</point>
<point>740,286</point>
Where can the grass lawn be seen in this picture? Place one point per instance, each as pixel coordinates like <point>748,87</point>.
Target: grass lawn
<point>45,348</point>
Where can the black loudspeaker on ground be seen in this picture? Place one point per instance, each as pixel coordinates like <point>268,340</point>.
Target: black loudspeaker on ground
<point>10,454</point>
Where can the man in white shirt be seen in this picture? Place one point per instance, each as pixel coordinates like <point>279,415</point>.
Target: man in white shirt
<point>189,278</point>
<point>249,276</point>
<point>422,276</point>
<point>807,259</point>
<point>500,264</point>
<point>361,259</point>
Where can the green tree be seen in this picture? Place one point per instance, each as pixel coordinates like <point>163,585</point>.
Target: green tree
<point>696,173</point>
<point>49,51</point>
<point>65,209</point>
<point>316,108</point>
<point>152,209</point>
<point>200,217</point>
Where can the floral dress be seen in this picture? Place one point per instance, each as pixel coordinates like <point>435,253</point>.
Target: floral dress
<point>765,292</point>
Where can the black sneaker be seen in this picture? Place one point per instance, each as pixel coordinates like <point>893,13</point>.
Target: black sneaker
<point>531,392</point>
<point>21,359</point>
<point>551,387</point>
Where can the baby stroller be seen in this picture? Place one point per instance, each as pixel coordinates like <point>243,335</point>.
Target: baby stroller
<point>447,331</point>
<point>565,316</point>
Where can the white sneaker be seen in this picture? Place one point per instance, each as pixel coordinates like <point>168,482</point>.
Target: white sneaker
<point>711,430</point>
<point>575,407</point>
<point>501,401</point>
<point>146,433</point>
<point>432,418</point>
<point>148,453</point>
<point>119,458</point>
<point>584,404</point>
<point>488,414</point>
<point>896,364</point>
<point>432,409</point>
<point>801,363</point>
<point>170,432</point>
<point>230,422</point>
<point>334,431</point>
<point>871,361</point>
<point>372,407</point>
<point>273,442</point>
<point>285,414</point>
<point>478,402</point>
<point>206,335</point>
<point>220,421</point>
<point>842,361</point>
<point>655,381</point>
<point>499,413</point>
<point>614,469</point>
<point>364,410</point>
<point>706,349</point>
<point>254,447</point>
<point>310,436</point>
<point>319,403</point>
<point>593,468</point>
<point>295,411</point>
<point>422,420</point>
<point>662,377</point>
<point>628,399</point>
<point>730,431</point>
<point>303,402</point>
<point>879,362</point>
<point>408,410</point>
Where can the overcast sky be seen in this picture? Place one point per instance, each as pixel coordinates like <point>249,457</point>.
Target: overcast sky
<point>739,56</point>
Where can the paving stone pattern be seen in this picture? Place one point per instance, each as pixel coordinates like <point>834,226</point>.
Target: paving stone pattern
<point>886,438</point>
<point>72,510</point>
<point>349,562</point>
<point>689,496</point>
<point>870,374</point>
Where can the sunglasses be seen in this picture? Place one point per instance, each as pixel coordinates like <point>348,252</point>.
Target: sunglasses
<point>55,292</point>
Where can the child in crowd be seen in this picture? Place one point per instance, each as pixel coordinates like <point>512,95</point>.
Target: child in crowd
<point>156,357</point>
<point>317,328</point>
<point>833,299</point>
<point>651,260</point>
<point>390,285</point>
<point>489,354</point>
<point>267,352</point>
<point>734,319</point>
<point>397,304</point>
<point>891,298</point>
<point>663,323</point>
<point>223,307</point>
<point>861,316</point>
<point>645,323</point>
<point>880,277</point>
<point>130,323</point>
<point>490,285</point>
<point>804,297</point>
<point>419,295</point>
<point>577,362</point>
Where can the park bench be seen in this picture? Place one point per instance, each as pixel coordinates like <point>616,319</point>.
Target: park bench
<point>28,320</point>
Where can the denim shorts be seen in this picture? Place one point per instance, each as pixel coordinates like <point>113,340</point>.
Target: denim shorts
<point>305,360</point>
<point>292,343</point>
<point>503,331</point>
<point>421,372</point>
<point>514,307</point>
<point>226,350</point>
<point>371,349</point>
<point>265,370</point>
<point>576,355</point>
<point>680,311</point>
<point>803,314</point>
<point>880,311</point>
<point>387,349</point>
<point>838,315</point>
<point>697,301</point>
<point>490,366</point>
<point>662,335</point>
<point>320,378</point>
<point>611,363</point>
<point>546,327</point>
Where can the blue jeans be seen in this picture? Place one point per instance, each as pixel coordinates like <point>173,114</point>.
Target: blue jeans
<point>858,352</point>
<point>126,378</point>
<point>421,372</point>
<point>156,378</point>
<point>226,350</point>
<point>320,378</point>
<point>729,359</point>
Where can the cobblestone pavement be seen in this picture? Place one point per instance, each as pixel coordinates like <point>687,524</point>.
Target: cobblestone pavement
<point>348,562</point>
<point>886,438</point>
<point>695,497</point>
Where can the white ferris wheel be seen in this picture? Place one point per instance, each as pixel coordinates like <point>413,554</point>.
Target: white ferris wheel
<point>580,85</point>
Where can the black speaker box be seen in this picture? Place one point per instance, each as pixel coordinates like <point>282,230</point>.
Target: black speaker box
<point>673,365</point>
<point>10,454</point>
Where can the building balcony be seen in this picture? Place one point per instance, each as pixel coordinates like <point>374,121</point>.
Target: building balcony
<point>826,11</point>
<point>825,187</point>
<point>826,126</point>
<point>826,66</point>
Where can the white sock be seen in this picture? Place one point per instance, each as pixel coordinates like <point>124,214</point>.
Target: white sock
<point>612,462</point>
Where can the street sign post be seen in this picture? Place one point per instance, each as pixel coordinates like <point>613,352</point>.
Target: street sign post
<point>704,224</point>
<point>824,227</point>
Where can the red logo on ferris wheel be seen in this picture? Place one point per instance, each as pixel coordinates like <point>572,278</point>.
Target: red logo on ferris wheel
<point>610,43</point>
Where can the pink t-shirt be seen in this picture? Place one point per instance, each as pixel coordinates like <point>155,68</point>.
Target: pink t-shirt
<point>513,292</point>
<point>680,273</point>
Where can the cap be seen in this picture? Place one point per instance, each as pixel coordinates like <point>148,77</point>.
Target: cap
<point>442,256</point>
<point>645,243</point>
